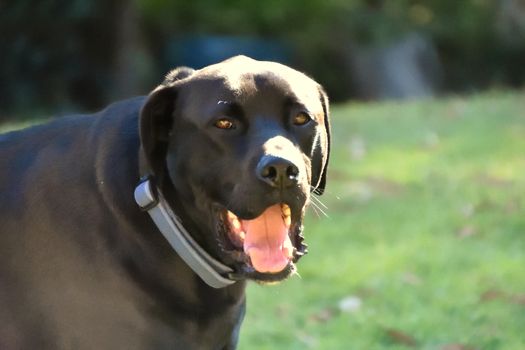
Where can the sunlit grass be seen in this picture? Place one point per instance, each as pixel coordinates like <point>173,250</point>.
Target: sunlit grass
<point>426,229</point>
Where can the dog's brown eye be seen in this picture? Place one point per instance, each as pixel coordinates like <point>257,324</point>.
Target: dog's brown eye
<point>301,119</point>
<point>224,124</point>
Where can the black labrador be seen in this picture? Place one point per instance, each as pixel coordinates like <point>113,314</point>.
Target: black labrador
<point>227,155</point>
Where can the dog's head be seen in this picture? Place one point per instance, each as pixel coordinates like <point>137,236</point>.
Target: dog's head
<point>241,146</point>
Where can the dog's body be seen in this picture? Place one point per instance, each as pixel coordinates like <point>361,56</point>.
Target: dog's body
<point>82,267</point>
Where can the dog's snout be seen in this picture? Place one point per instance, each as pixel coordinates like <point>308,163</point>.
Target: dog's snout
<point>277,172</point>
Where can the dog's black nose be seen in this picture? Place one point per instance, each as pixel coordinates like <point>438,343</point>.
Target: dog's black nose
<point>277,172</point>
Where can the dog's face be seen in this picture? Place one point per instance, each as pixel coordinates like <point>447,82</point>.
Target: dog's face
<point>243,143</point>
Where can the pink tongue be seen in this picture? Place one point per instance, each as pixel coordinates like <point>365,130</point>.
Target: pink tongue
<point>267,242</point>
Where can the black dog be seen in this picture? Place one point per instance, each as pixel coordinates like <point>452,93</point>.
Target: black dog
<point>229,153</point>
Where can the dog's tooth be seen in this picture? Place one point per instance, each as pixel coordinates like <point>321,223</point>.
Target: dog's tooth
<point>287,221</point>
<point>288,252</point>
<point>236,224</point>
<point>286,210</point>
<point>232,216</point>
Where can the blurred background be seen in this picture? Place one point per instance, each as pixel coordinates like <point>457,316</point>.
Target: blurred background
<point>419,240</point>
<point>80,54</point>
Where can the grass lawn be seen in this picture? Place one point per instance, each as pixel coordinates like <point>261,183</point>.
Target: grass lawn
<point>424,244</point>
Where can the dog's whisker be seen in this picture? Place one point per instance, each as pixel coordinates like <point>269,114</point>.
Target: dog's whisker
<point>315,205</point>
<point>316,209</point>
<point>318,201</point>
<point>326,192</point>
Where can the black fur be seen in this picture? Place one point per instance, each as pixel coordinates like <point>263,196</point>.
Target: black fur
<point>81,267</point>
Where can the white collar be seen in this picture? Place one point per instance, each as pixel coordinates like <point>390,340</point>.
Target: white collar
<point>210,270</point>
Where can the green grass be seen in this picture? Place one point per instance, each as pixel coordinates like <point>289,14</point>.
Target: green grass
<point>425,227</point>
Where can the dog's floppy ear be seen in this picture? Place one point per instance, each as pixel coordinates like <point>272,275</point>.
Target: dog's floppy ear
<point>322,149</point>
<point>155,125</point>
<point>156,119</point>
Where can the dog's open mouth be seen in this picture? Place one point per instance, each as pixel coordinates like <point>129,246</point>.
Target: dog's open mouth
<point>266,247</point>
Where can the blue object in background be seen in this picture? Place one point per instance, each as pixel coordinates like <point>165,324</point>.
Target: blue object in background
<point>200,51</point>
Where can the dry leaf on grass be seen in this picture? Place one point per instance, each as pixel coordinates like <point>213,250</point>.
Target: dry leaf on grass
<point>323,316</point>
<point>491,294</point>
<point>400,337</point>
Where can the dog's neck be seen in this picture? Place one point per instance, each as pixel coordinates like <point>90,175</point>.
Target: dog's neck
<point>150,198</point>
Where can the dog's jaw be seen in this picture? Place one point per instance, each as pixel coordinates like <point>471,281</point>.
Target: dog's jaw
<point>264,254</point>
